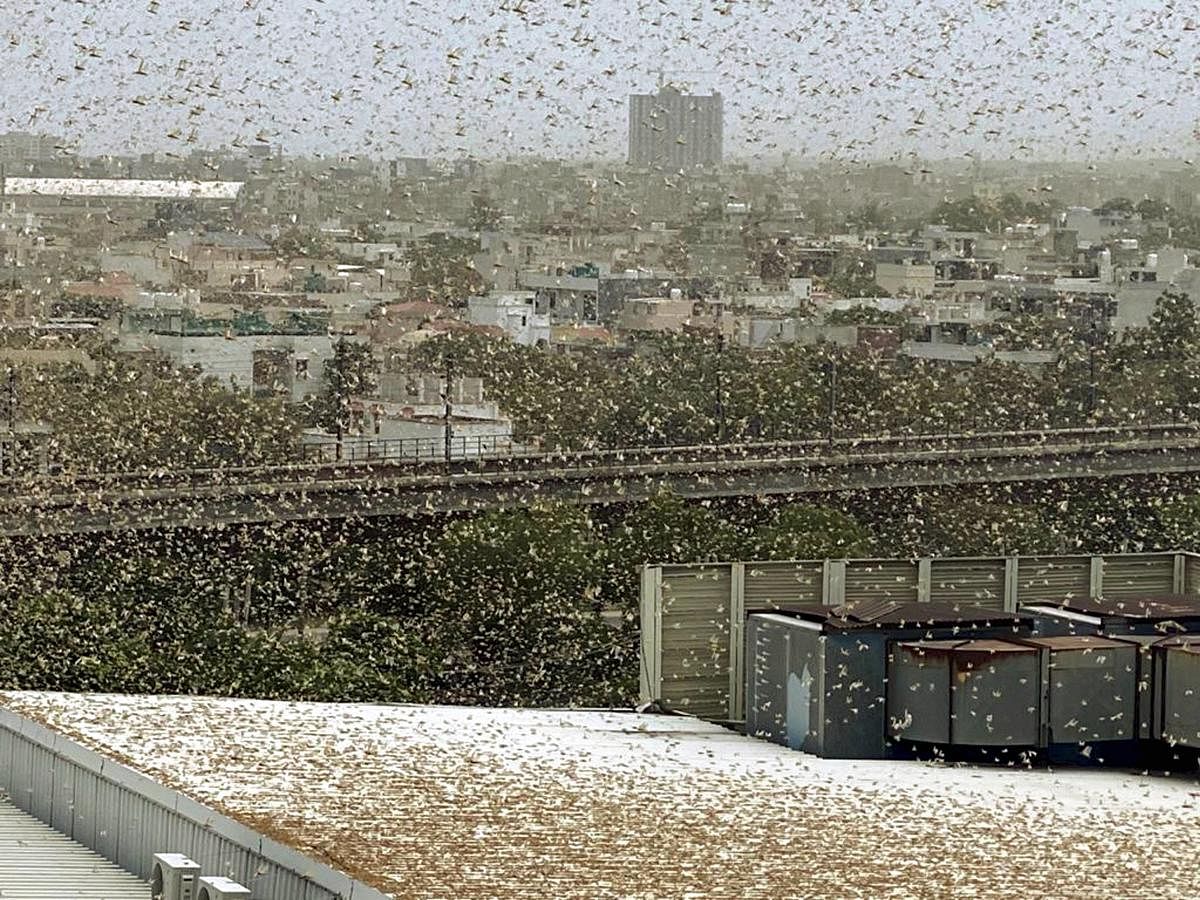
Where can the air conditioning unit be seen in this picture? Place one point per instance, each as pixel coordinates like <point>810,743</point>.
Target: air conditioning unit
<point>173,877</point>
<point>214,887</point>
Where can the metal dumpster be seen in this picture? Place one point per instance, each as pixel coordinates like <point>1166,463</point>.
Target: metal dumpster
<point>1089,690</point>
<point>976,693</point>
<point>1177,700</point>
<point>816,676</point>
<point>1156,616</point>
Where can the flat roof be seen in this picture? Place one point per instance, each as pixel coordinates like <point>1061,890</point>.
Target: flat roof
<point>124,188</point>
<point>37,861</point>
<point>467,802</point>
<point>902,614</point>
<point>1150,607</point>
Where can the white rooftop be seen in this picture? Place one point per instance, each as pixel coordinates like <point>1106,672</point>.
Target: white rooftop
<point>449,801</point>
<point>38,862</point>
<point>124,188</point>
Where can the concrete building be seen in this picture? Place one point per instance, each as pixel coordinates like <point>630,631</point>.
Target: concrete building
<point>656,314</point>
<point>406,419</point>
<point>789,297</point>
<point>120,189</point>
<point>906,279</point>
<point>287,364</point>
<point>1093,226</point>
<point>22,147</point>
<point>284,355</point>
<point>514,313</point>
<point>672,130</point>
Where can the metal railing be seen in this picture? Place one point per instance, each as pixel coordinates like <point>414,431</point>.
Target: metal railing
<point>424,459</point>
<point>358,449</point>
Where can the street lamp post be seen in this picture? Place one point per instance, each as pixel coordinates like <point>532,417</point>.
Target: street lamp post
<point>449,410</point>
<point>1093,341</point>
<point>833,386</point>
<point>720,389</point>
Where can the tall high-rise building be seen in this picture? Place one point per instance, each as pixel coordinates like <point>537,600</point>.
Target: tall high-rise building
<point>674,130</point>
<point>19,146</point>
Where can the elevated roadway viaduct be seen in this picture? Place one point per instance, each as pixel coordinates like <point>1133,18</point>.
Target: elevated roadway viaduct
<point>79,503</point>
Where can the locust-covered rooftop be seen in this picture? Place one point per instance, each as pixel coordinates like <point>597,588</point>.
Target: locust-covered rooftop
<point>472,802</point>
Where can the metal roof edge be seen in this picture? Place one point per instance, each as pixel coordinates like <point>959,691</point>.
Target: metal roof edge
<point>130,779</point>
<point>871,560</point>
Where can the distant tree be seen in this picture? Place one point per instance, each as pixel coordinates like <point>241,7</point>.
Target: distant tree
<point>298,243</point>
<point>800,531</point>
<point>953,525</point>
<point>1173,330</point>
<point>969,214</point>
<point>871,216</point>
<point>86,307</point>
<point>485,215</point>
<point>1179,519</point>
<point>443,270</point>
<point>854,276</point>
<point>1151,209</point>
<point>866,315</point>
<point>855,283</point>
<point>675,257</point>
<point>174,215</point>
<point>141,628</point>
<point>350,372</point>
<point>668,528</point>
<point>1118,204</point>
<point>515,608</point>
<point>372,658</point>
<point>132,414</point>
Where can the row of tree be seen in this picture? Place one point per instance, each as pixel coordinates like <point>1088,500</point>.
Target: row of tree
<point>528,607</point>
<point>684,389</point>
<point>693,389</point>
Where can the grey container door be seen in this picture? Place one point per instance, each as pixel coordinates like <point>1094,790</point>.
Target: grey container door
<point>918,695</point>
<point>995,699</point>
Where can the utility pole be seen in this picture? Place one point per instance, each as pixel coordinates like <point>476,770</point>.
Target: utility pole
<point>720,387</point>
<point>12,399</point>
<point>1092,362</point>
<point>832,364</point>
<point>449,410</point>
<point>339,379</point>
<point>8,445</point>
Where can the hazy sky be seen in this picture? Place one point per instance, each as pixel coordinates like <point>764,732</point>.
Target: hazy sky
<point>854,79</point>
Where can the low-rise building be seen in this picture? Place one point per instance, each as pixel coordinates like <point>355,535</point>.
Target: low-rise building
<point>907,279</point>
<point>656,314</point>
<point>514,313</point>
<point>412,418</point>
<point>245,351</point>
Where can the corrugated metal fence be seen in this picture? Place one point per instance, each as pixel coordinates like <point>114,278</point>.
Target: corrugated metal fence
<point>127,817</point>
<point>692,614</point>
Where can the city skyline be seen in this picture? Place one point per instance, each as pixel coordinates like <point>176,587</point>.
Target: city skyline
<point>522,79</point>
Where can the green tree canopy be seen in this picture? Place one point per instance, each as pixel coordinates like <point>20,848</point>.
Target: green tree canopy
<point>1118,204</point>
<point>485,214</point>
<point>443,270</point>
<point>134,414</point>
<point>350,372</point>
<point>1151,209</point>
<point>515,604</point>
<point>800,531</point>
